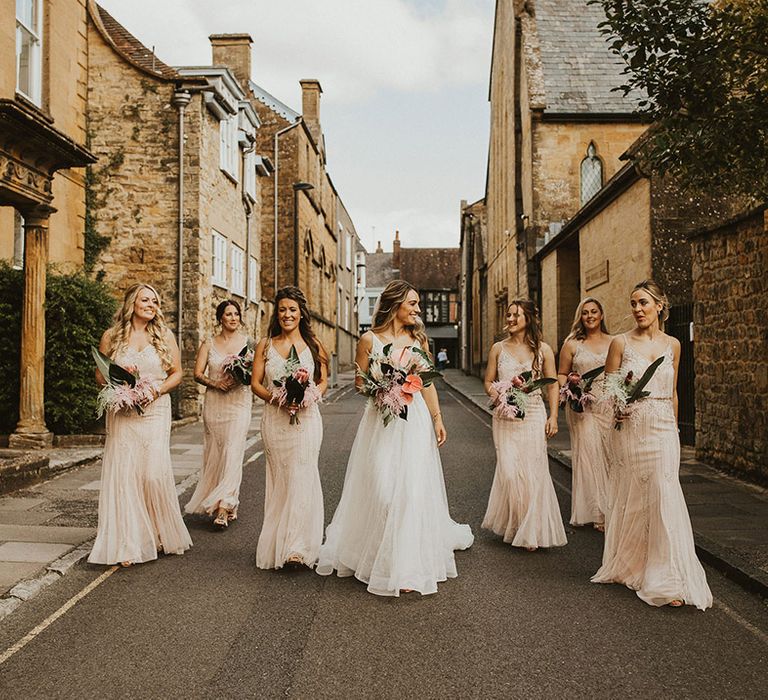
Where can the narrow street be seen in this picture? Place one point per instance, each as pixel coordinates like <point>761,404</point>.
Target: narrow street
<point>513,624</point>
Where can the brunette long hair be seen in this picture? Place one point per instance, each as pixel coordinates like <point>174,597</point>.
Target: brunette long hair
<point>394,294</point>
<point>532,330</point>
<point>578,332</point>
<point>120,331</point>
<point>319,356</point>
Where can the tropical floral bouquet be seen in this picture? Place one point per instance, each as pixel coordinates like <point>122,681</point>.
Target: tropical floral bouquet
<point>512,399</point>
<point>624,390</point>
<point>577,390</point>
<point>240,365</point>
<point>393,377</point>
<point>295,387</point>
<point>124,388</point>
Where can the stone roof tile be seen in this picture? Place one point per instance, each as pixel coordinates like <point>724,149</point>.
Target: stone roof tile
<point>128,45</point>
<point>579,70</point>
<point>431,268</point>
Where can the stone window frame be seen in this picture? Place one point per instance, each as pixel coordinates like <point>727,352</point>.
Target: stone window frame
<point>590,170</point>
<point>249,174</point>
<point>218,260</point>
<point>253,276</point>
<point>237,270</point>
<point>229,146</point>
<point>34,34</point>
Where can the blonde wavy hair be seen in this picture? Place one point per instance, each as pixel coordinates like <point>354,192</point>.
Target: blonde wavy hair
<point>395,294</point>
<point>657,294</point>
<point>120,331</point>
<point>578,332</point>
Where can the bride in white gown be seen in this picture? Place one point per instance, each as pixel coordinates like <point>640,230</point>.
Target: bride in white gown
<point>392,529</point>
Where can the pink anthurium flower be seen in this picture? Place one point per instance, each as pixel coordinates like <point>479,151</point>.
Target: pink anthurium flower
<point>412,384</point>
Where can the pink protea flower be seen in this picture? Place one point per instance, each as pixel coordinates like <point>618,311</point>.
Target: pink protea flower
<point>402,356</point>
<point>574,378</point>
<point>517,382</point>
<point>301,375</point>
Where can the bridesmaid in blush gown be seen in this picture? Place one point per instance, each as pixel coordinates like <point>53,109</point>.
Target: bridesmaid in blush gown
<point>585,349</point>
<point>293,500</point>
<point>139,512</point>
<point>522,506</point>
<point>648,540</point>
<point>392,529</point>
<point>226,417</point>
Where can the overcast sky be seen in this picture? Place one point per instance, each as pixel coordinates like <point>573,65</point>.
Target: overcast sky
<point>404,107</point>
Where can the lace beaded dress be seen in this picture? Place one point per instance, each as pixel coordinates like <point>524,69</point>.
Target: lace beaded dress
<point>589,432</point>
<point>139,510</point>
<point>293,499</point>
<point>226,418</point>
<point>648,540</point>
<point>392,529</point>
<point>522,506</point>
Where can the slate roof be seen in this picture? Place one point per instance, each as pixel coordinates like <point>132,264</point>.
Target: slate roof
<point>579,69</point>
<point>431,268</point>
<point>128,46</point>
<point>378,269</point>
<point>273,103</point>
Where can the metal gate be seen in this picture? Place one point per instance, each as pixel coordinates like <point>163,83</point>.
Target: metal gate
<point>680,325</point>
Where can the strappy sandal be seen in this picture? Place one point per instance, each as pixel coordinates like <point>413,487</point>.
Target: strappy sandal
<point>231,516</point>
<point>600,527</point>
<point>677,603</point>
<point>221,519</point>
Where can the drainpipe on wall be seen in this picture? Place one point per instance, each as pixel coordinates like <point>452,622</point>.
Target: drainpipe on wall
<point>180,100</point>
<point>248,216</point>
<point>277,170</point>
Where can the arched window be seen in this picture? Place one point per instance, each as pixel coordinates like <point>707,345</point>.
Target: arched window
<point>591,174</point>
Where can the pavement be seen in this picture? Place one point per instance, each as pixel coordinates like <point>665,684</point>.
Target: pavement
<point>729,516</point>
<point>48,527</point>
<point>513,624</point>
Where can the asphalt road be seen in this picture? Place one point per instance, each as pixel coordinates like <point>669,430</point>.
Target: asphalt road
<point>513,624</point>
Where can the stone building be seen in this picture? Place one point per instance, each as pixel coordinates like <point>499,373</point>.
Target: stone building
<point>299,229</point>
<point>175,198</point>
<point>730,292</point>
<point>557,132</point>
<point>347,288</point>
<point>473,290</point>
<point>377,272</point>
<point>43,74</point>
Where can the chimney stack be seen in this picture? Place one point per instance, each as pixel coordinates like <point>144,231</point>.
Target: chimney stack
<point>233,51</point>
<point>396,252</point>
<point>310,108</point>
<point>379,249</point>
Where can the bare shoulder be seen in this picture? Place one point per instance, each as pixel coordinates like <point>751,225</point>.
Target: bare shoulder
<point>546,349</point>
<point>617,342</point>
<point>569,345</point>
<point>674,342</point>
<point>106,337</point>
<point>366,339</point>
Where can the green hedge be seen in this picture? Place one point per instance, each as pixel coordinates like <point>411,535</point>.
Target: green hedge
<point>77,311</point>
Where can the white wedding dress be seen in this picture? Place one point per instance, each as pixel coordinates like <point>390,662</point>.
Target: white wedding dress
<point>392,529</point>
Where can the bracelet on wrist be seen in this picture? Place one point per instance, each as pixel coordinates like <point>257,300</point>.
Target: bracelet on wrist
<point>435,416</point>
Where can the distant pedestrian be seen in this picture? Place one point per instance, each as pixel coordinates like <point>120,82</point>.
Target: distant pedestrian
<point>293,503</point>
<point>226,417</point>
<point>522,506</point>
<point>139,512</point>
<point>442,359</point>
<point>392,529</point>
<point>649,541</point>
<point>585,349</point>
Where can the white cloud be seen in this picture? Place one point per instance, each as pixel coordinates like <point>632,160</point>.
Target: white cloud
<point>355,48</point>
<point>419,228</point>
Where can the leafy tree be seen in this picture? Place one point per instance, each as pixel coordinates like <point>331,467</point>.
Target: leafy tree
<point>701,67</point>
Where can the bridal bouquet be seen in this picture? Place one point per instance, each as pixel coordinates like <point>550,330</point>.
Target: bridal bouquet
<point>240,365</point>
<point>513,394</point>
<point>295,387</point>
<point>393,377</point>
<point>124,389</point>
<point>625,391</point>
<point>577,390</point>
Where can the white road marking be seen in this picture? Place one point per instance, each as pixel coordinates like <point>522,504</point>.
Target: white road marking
<point>8,653</point>
<point>253,458</point>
